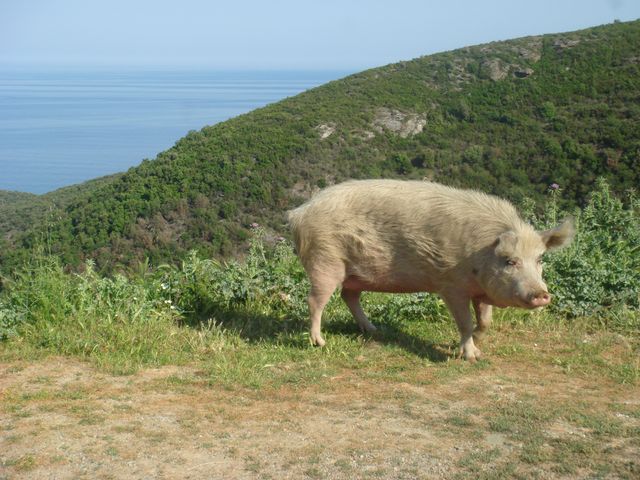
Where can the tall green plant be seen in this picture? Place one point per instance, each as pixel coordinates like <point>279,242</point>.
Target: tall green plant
<point>600,270</point>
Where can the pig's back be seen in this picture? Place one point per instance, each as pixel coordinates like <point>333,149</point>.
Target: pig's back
<point>379,224</point>
<point>404,203</point>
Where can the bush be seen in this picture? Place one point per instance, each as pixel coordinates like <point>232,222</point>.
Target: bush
<point>600,270</point>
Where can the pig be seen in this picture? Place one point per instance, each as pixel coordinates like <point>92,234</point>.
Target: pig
<point>397,236</point>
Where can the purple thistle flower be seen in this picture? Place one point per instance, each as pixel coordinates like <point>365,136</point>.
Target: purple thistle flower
<point>254,225</point>
<point>554,186</point>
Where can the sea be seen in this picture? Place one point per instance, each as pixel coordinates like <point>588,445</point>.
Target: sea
<point>63,127</point>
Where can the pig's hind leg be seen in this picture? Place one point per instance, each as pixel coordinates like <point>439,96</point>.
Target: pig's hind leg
<point>352,299</point>
<point>323,283</point>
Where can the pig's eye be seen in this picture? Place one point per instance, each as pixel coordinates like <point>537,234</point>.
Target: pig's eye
<point>511,263</point>
<point>540,259</point>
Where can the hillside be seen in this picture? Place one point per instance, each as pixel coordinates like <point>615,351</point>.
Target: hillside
<point>19,210</point>
<point>507,117</point>
<point>8,197</point>
<point>13,206</point>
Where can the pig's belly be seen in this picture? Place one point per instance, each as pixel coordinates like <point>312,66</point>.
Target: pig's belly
<point>352,282</point>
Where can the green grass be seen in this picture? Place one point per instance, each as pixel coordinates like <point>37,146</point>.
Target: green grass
<point>533,434</point>
<point>244,351</point>
<point>22,464</point>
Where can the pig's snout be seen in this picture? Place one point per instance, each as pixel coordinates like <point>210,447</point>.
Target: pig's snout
<point>540,299</point>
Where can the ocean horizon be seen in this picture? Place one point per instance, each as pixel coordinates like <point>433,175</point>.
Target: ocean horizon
<point>63,127</point>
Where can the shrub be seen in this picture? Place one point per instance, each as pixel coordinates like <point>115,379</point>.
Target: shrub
<point>548,111</point>
<point>473,154</point>
<point>600,270</point>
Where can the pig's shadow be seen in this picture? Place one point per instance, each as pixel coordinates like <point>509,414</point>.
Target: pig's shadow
<point>391,334</point>
<point>255,328</point>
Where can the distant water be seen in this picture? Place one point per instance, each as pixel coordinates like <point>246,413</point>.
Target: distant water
<point>60,128</point>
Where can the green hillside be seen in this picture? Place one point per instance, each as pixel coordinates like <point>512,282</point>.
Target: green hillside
<point>19,211</point>
<point>507,117</point>
<point>8,197</point>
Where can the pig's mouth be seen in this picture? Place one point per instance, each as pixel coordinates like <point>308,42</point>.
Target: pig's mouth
<point>496,303</point>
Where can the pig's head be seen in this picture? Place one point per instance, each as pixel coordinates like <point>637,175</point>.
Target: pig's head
<point>511,270</point>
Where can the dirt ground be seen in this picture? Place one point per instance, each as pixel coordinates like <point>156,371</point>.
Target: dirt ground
<point>63,419</point>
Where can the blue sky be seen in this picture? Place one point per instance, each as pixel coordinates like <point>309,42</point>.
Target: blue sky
<point>279,34</point>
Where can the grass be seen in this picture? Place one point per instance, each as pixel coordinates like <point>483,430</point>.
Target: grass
<point>506,424</point>
<point>22,464</point>
<point>400,352</point>
<point>563,437</point>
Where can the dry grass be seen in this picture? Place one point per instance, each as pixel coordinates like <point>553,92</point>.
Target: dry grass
<point>545,404</point>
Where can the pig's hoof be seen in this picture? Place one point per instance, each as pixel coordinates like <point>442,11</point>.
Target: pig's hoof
<point>368,327</point>
<point>470,353</point>
<point>317,340</point>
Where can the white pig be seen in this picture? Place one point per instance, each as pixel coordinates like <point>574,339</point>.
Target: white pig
<point>410,236</point>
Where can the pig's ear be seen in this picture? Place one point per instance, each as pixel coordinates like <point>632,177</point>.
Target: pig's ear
<point>505,244</point>
<point>560,236</point>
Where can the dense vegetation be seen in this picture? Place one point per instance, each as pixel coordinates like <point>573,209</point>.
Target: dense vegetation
<point>19,211</point>
<point>509,117</point>
<point>137,319</point>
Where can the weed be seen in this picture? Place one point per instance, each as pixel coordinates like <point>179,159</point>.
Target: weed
<point>24,463</point>
<point>460,421</point>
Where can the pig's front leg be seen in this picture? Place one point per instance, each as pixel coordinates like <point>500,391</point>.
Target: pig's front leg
<point>458,303</point>
<point>483,319</point>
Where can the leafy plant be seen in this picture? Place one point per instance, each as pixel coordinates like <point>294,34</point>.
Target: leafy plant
<point>600,270</point>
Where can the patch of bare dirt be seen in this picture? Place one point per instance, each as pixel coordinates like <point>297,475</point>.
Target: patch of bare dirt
<point>62,419</point>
